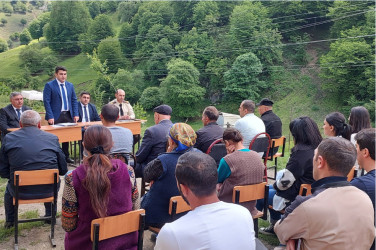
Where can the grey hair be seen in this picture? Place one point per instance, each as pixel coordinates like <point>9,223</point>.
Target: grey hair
<point>30,118</point>
<point>13,94</point>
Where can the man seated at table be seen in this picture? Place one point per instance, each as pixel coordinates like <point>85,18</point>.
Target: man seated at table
<point>10,115</point>
<point>124,107</point>
<point>29,148</point>
<point>211,130</point>
<point>336,215</point>
<point>212,224</point>
<point>87,111</point>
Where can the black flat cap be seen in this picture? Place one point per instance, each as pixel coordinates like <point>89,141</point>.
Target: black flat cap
<point>163,109</point>
<point>265,102</point>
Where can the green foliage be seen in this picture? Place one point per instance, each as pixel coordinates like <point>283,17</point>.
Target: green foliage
<point>94,8</point>
<point>139,111</point>
<point>206,15</point>
<point>104,89</point>
<point>215,70</point>
<point>127,40</point>
<point>7,8</point>
<point>242,79</point>
<point>130,82</point>
<point>150,98</point>
<point>126,10</point>
<point>25,37</point>
<point>23,21</point>
<point>181,90</point>
<point>108,6</point>
<point>297,53</point>
<point>4,89</point>
<point>3,45</point>
<point>109,51</point>
<point>37,60</point>
<point>68,20</point>
<point>19,7</point>
<point>3,21</point>
<point>15,36</point>
<point>36,26</point>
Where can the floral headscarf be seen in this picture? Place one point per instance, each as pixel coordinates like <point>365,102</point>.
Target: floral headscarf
<point>183,135</point>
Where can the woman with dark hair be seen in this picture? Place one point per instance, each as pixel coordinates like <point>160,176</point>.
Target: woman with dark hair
<point>98,188</point>
<point>335,125</point>
<point>359,119</point>
<point>240,166</point>
<point>298,170</point>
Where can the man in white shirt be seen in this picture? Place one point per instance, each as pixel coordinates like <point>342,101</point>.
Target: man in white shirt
<point>212,224</point>
<point>249,125</point>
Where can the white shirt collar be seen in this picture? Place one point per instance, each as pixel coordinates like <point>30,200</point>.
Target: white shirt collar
<point>58,82</point>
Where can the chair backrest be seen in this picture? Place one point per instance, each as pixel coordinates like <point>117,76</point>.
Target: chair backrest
<point>124,157</point>
<point>261,144</point>
<point>177,206</point>
<point>112,226</point>
<point>217,150</point>
<point>35,177</point>
<point>305,189</point>
<point>352,174</point>
<point>249,192</point>
<point>276,143</point>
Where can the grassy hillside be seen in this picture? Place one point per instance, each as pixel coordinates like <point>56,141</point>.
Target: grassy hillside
<point>10,62</point>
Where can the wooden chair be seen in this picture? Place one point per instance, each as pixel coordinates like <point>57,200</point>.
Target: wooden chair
<point>32,178</point>
<point>352,174</point>
<point>112,226</point>
<point>305,189</point>
<point>276,143</point>
<point>251,193</point>
<point>217,150</point>
<point>261,144</point>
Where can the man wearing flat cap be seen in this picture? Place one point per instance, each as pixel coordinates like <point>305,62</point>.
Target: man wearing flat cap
<point>155,138</point>
<point>273,124</point>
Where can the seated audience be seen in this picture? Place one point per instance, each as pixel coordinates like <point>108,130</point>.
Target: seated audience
<point>155,138</point>
<point>240,166</point>
<point>336,215</point>
<point>10,115</point>
<point>298,170</point>
<point>98,188</point>
<point>335,125</point>
<point>249,124</point>
<point>211,130</point>
<point>273,124</point>
<point>161,175</point>
<point>359,119</point>
<point>29,148</point>
<point>212,224</point>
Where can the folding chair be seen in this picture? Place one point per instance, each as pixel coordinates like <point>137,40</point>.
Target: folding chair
<point>251,193</point>
<point>32,178</point>
<point>217,150</point>
<point>261,144</point>
<point>352,174</point>
<point>276,143</point>
<point>112,226</point>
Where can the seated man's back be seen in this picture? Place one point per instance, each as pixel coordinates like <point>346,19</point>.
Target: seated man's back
<point>218,225</point>
<point>123,140</point>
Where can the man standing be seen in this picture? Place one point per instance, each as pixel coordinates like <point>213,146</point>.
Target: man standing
<point>122,137</point>
<point>273,124</point>
<point>336,215</point>
<point>125,108</point>
<point>11,114</point>
<point>155,138</point>
<point>60,102</point>
<point>211,130</point>
<point>249,125</point>
<point>29,149</point>
<point>86,110</point>
<point>212,224</point>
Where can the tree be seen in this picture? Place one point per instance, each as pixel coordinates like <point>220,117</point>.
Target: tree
<point>242,79</point>
<point>206,15</point>
<point>132,82</point>
<point>150,98</point>
<point>215,69</point>
<point>3,21</point>
<point>7,8</point>
<point>94,8</point>
<point>126,11</point>
<point>23,21</point>
<point>127,38</point>
<point>109,51</point>
<point>181,90</point>
<point>3,45</point>
<point>36,26</point>
<point>68,20</point>
<point>19,7</point>
<point>25,37</point>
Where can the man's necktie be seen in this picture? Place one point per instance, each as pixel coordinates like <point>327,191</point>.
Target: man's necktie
<point>121,110</point>
<point>64,97</point>
<point>18,113</point>
<point>85,114</point>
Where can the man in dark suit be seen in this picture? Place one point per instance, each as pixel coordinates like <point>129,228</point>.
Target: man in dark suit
<point>273,124</point>
<point>29,148</point>
<point>60,102</point>
<point>10,115</point>
<point>155,138</point>
<point>87,112</point>
<point>211,130</point>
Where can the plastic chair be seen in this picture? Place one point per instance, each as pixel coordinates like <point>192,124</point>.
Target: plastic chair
<point>32,178</point>
<point>112,226</point>
<point>276,143</point>
<point>251,193</point>
<point>217,150</point>
<point>261,144</point>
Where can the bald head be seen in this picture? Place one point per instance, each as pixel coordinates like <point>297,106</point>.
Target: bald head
<point>120,95</point>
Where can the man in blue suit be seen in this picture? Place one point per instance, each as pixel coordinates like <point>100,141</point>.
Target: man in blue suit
<point>87,111</point>
<point>60,102</point>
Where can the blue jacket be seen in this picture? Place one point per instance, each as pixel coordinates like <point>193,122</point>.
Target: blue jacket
<point>367,184</point>
<point>52,99</point>
<point>93,113</point>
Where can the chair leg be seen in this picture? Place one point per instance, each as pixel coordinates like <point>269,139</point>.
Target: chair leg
<point>16,227</point>
<point>255,225</point>
<point>53,222</point>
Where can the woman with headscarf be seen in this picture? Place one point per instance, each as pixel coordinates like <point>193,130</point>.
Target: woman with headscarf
<point>161,175</point>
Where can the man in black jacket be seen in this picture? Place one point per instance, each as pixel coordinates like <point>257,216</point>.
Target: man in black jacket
<point>273,124</point>
<point>29,148</point>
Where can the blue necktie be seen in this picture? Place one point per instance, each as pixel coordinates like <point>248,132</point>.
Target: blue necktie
<point>85,114</point>
<point>18,113</point>
<point>64,97</point>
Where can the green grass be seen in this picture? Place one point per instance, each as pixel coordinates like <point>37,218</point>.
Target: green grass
<point>270,239</point>
<point>11,62</point>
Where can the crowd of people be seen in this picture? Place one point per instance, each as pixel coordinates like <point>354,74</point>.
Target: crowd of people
<point>338,215</point>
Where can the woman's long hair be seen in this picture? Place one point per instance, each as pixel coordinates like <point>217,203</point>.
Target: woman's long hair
<point>305,131</point>
<point>98,141</point>
<point>338,121</point>
<point>359,119</point>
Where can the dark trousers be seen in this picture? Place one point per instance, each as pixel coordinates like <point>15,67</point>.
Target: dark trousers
<point>9,208</point>
<point>65,116</point>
